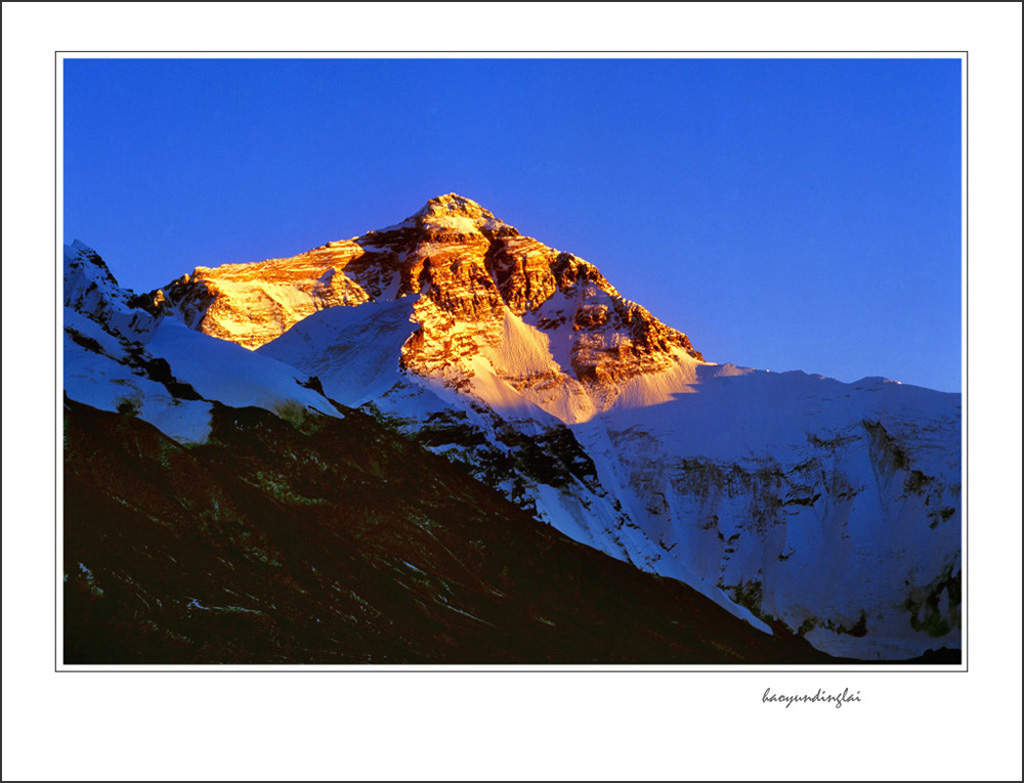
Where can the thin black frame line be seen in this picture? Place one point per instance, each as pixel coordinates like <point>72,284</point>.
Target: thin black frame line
<point>57,385</point>
<point>965,212</point>
<point>483,671</point>
<point>508,51</point>
<point>965,326</point>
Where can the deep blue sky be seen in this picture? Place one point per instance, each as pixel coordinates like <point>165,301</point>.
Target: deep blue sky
<point>786,214</point>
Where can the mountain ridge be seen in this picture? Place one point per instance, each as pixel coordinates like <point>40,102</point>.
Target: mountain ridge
<point>474,273</point>
<point>792,500</point>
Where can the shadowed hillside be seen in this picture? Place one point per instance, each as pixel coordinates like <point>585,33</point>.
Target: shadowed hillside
<point>338,541</point>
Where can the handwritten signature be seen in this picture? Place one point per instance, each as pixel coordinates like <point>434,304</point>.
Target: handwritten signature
<point>820,697</point>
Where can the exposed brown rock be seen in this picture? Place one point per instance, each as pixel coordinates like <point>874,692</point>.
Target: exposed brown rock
<point>471,269</point>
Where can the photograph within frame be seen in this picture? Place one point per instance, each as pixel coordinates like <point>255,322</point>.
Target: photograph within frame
<point>153,375</point>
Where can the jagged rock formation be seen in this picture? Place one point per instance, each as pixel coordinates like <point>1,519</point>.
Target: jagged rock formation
<point>541,318</point>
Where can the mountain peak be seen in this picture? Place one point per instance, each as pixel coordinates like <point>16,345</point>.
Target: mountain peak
<point>484,285</point>
<point>80,246</point>
<point>452,205</point>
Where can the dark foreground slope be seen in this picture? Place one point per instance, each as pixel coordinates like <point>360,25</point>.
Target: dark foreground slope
<point>337,541</point>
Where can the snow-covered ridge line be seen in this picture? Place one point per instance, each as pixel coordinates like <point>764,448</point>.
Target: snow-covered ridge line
<point>121,354</point>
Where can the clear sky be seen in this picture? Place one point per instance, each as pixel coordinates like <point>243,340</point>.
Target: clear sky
<point>785,214</point>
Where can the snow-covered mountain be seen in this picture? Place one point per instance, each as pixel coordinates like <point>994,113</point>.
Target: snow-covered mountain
<point>217,508</point>
<point>118,356</point>
<point>504,317</point>
<point>793,500</point>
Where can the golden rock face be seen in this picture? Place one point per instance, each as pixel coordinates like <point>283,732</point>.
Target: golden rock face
<point>473,273</point>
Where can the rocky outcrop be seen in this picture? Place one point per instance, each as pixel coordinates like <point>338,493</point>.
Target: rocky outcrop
<point>90,289</point>
<point>473,273</point>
